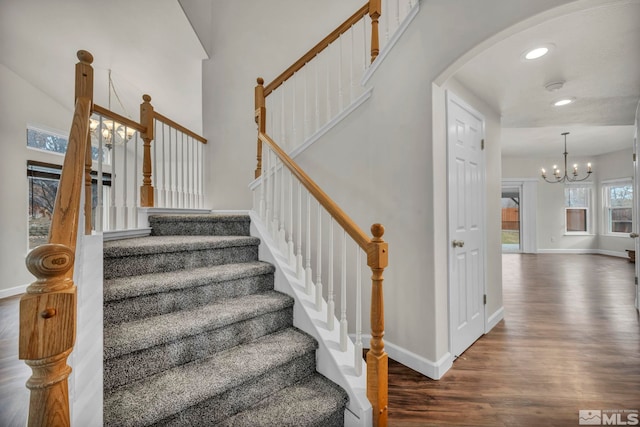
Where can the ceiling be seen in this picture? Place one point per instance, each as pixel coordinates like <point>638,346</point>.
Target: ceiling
<point>596,52</point>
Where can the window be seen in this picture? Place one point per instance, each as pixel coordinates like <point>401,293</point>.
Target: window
<point>617,203</point>
<point>577,202</point>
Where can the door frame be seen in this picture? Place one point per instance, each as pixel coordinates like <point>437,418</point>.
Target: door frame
<point>528,206</point>
<point>636,200</point>
<point>452,97</point>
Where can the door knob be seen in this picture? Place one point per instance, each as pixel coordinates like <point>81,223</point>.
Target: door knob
<point>633,235</point>
<point>458,243</point>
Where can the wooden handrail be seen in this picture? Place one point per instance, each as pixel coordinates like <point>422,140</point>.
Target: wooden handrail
<point>48,309</point>
<point>181,128</point>
<point>330,206</point>
<point>118,118</point>
<point>324,43</point>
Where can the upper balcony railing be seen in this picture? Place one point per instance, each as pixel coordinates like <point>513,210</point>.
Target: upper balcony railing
<point>48,309</point>
<point>304,100</point>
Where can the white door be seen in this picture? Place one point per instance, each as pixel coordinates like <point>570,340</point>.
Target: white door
<point>636,199</point>
<point>466,189</point>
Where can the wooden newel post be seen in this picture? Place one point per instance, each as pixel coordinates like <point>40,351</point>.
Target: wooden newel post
<point>260,116</point>
<point>48,308</point>
<point>377,359</point>
<point>146,120</point>
<point>84,89</point>
<point>375,10</point>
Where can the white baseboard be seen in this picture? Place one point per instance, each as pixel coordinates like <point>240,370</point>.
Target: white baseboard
<point>6,293</point>
<point>583,251</point>
<point>433,370</point>
<point>494,319</point>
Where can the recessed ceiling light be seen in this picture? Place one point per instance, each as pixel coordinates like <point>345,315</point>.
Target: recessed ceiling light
<point>537,52</point>
<point>565,101</point>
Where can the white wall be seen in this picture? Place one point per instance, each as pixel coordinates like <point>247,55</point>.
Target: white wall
<point>383,163</point>
<point>150,47</point>
<point>550,212</point>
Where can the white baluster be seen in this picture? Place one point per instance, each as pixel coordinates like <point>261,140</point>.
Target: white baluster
<point>328,74</point>
<point>184,164</point>
<point>291,251</point>
<point>282,121</point>
<point>351,56</point>
<point>125,182</point>
<point>340,100</point>
<point>343,295</point>
<point>317,103</point>
<point>365,56</point>
<point>397,14</point>
<point>172,188</point>
<point>267,183</point>
<point>305,124</point>
<point>319,261</point>
<point>262,184</point>
<point>386,19</point>
<point>294,140</point>
<point>358,343</point>
<point>201,175</point>
<point>275,206</point>
<point>307,270</point>
<point>165,178</point>
<point>154,170</point>
<point>282,240</point>
<point>136,183</point>
<point>331,305</point>
<point>299,267</point>
<point>99,226</point>
<point>113,211</point>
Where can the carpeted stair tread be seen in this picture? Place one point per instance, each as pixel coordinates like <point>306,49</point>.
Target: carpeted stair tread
<point>168,244</point>
<point>312,402</point>
<point>208,217</point>
<point>146,284</point>
<point>200,224</point>
<point>128,337</point>
<point>172,391</point>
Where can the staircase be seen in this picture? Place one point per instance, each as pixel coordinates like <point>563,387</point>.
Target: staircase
<point>195,334</point>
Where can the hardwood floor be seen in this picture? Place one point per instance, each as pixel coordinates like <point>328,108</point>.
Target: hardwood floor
<point>14,396</point>
<point>570,340</point>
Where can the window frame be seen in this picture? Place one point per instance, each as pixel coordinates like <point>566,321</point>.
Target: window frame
<point>588,209</point>
<point>606,205</point>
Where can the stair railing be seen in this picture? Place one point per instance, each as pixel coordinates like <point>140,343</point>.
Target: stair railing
<point>168,173</point>
<point>48,309</point>
<point>296,223</point>
<point>304,100</point>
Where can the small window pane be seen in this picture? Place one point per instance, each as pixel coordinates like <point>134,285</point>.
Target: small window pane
<point>45,141</point>
<point>576,197</point>
<point>577,220</point>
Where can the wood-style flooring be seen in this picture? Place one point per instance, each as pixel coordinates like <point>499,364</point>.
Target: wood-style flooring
<point>570,340</point>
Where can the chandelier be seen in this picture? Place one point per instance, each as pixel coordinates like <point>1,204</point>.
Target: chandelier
<point>558,177</point>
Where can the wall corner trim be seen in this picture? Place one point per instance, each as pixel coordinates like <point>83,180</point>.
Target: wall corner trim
<point>433,370</point>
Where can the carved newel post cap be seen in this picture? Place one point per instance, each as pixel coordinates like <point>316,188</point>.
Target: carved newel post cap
<point>50,260</point>
<point>146,98</point>
<point>84,56</point>
<point>260,81</point>
<point>377,230</point>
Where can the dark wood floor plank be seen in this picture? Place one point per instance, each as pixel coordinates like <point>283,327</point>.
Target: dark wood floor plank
<point>570,340</point>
